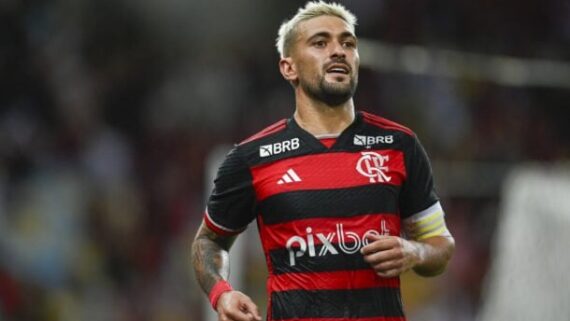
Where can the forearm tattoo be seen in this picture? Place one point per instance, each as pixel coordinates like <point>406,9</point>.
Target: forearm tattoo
<point>210,258</point>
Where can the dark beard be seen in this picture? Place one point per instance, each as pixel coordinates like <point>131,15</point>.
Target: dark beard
<point>332,95</point>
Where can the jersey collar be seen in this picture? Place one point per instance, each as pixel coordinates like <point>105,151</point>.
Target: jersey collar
<point>343,140</point>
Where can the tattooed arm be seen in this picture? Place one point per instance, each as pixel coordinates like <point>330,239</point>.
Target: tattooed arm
<point>210,260</point>
<point>210,257</point>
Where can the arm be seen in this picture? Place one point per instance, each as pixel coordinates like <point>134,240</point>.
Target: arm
<point>434,253</point>
<point>430,248</point>
<point>210,261</point>
<point>391,256</point>
<point>210,258</point>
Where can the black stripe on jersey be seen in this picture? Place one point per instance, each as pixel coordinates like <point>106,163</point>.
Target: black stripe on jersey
<point>361,303</point>
<point>344,202</point>
<point>281,261</point>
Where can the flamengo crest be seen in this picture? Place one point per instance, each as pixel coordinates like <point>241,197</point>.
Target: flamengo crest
<point>371,165</point>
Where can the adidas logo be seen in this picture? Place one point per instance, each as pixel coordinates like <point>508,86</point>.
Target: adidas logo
<point>289,177</point>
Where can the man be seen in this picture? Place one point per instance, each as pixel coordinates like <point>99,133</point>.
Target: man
<point>331,189</point>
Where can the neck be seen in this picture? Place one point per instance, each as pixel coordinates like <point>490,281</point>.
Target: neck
<point>319,118</point>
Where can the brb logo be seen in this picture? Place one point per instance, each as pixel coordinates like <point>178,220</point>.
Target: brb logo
<point>371,165</point>
<point>346,241</point>
<point>361,140</point>
<point>278,148</point>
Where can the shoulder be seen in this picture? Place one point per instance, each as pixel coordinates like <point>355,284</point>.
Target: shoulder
<point>266,132</point>
<point>386,124</point>
<point>274,142</point>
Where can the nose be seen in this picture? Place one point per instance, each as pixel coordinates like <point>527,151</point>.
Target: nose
<point>338,51</point>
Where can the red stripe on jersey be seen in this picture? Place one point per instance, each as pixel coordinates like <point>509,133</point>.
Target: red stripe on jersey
<point>328,142</point>
<point>385,123</point>
<point>217,228</point>
<point>267,131</point>
<point>329,171</point>
<point>277,235</point>
<point>338,280</point>
<point>347,319</point>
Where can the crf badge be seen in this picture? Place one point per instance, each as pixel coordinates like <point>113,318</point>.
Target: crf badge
<point>372,165</point>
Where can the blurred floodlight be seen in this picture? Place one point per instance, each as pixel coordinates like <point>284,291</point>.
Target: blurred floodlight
<point>503,70</point>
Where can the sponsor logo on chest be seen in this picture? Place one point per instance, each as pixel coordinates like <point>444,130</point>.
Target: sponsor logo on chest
<point>361,140</point>
<point>333,242</point>
<point>278,148</point>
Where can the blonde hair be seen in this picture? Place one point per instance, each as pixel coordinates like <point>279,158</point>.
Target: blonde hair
<point>311,10</point>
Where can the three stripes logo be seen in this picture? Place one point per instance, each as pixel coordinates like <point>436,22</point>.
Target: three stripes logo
<point>289,177</point>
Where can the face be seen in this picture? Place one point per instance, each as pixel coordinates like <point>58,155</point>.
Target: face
<point>324,60</point>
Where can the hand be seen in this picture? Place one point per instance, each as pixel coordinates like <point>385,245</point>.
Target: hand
<point>390,256</point>
<point>236,306</point>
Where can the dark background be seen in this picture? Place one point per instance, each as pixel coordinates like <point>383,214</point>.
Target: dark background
<point>109,110</point>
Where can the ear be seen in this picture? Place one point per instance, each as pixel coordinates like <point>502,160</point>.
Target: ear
<point>288,69</point>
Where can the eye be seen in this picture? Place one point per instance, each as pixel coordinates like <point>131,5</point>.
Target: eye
<point>349,44</point>
<point>320,43</point>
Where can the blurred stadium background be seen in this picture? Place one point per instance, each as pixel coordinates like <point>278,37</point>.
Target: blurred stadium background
<point>110,110</point>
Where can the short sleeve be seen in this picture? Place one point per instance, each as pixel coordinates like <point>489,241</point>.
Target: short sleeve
<point>231,205</point>
<point>417,192</point>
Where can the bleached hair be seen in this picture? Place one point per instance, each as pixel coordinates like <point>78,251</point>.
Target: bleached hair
<point>311,10</point>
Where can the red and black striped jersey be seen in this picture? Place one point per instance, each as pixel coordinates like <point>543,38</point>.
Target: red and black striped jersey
<point>314,206</point>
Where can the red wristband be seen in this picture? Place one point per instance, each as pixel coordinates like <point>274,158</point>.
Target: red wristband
<point>219,288</point>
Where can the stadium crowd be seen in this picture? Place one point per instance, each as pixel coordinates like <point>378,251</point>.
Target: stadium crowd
<point>109,110</point>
